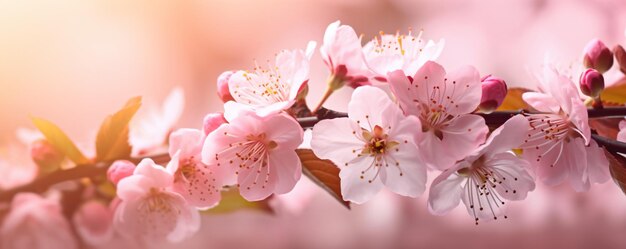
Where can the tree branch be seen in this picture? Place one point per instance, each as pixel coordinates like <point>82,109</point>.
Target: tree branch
<point>44,182</point>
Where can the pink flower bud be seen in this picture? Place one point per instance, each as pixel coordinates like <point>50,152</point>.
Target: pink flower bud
<point>212,121</point>
<point>620,57</point>
<point>494,92</point>
<point>45,155</point>
<point>94,223</point>
<point>222,86</point>
<point>591,83</point>
<point>119,170</point>
<point>598,56</point>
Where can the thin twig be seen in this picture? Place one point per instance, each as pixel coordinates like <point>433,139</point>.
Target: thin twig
<point>43,183</point>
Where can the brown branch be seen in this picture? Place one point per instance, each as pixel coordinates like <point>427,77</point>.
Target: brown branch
<point>44,182</point>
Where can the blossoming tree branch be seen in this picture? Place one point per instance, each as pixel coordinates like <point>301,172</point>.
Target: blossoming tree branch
<point>488,144</point>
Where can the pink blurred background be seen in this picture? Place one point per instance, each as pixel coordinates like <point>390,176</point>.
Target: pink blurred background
<point>74,61</point>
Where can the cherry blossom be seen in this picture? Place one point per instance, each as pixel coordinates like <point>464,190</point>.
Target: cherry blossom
<point>487,177</point>
<point>257,152</point>
<point>374,147</point>
<point>343,54</point>
<point>272,89</point>
<point>149,210</point>
<point>558,143</point>
<point>94,223</point>
<point>443,103</point>
<point>149,131</point>
<point>387,53</point>
<point>193,180</point>
<point>35,222</point>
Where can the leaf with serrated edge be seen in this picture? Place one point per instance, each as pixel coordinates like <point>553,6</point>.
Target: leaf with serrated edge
<point>323,172</point>
<point>513,100</point>
<point>59,140</point>
<point>112,140</point>
<point>232,201</point>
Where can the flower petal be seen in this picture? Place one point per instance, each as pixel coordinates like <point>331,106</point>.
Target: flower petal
<point>368,106</point>
<point>188,141</point>
<point>338,140</point>
<point>445,192</point>
<point>360,181</point>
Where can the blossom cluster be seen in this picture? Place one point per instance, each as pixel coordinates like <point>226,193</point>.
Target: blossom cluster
<point>408,119</point>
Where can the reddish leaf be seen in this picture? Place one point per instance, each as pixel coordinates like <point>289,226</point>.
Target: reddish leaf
<point>59,140</point>
<point>617,165</point>
<point>323,172</point>
<point>112,140</point>
<point>513,100</point>
<point>606,127</point>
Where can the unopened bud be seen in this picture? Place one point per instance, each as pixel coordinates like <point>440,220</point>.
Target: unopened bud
<point>212,121</point>
<point>494,92</point>
<point>620,57</point>
<point>222,86</point>
<point>45,155</point>
<point>591,83</point>
<point>598,56</point>
<point>119,170</point>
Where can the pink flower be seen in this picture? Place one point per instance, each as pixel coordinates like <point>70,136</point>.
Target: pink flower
<point>374,147</point>
<point>193,180</point>
<point>558,144</point>
<point>342,53</point>
<point>150,131</point>
<point>149,210</point>
<point>272,89</point>
<point>94,223</point>
<point>36,223</point>
<point>258,151</point>
<point>443,103</point>
<point>487,177</point>
<point>388,53</point>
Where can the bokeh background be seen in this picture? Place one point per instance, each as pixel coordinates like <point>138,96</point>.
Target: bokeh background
<point>74,61</point>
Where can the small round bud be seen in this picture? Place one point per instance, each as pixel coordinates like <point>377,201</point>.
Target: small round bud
<point>119,170</point>
<point>494,92</point>
<point>212,121</point>
<point>222,86</point>
<point>45,155</point>
<point>591,83</point>
<point>620,57</point>
<point>598,56</point>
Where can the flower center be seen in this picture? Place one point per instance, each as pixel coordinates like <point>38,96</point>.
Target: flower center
<point>377,142</point>
<point>187,168</point>
<point>482,182</point>
<point>547,133</point>
<point>157,201</point>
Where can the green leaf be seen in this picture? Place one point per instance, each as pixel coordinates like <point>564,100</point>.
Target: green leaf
<point>513,100</point>
<point>323,172</point>
<point>59,140</point>
<point>232,201</point>
<point>112,140</point>
<point>615,94</point>
<point>617,166</point>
